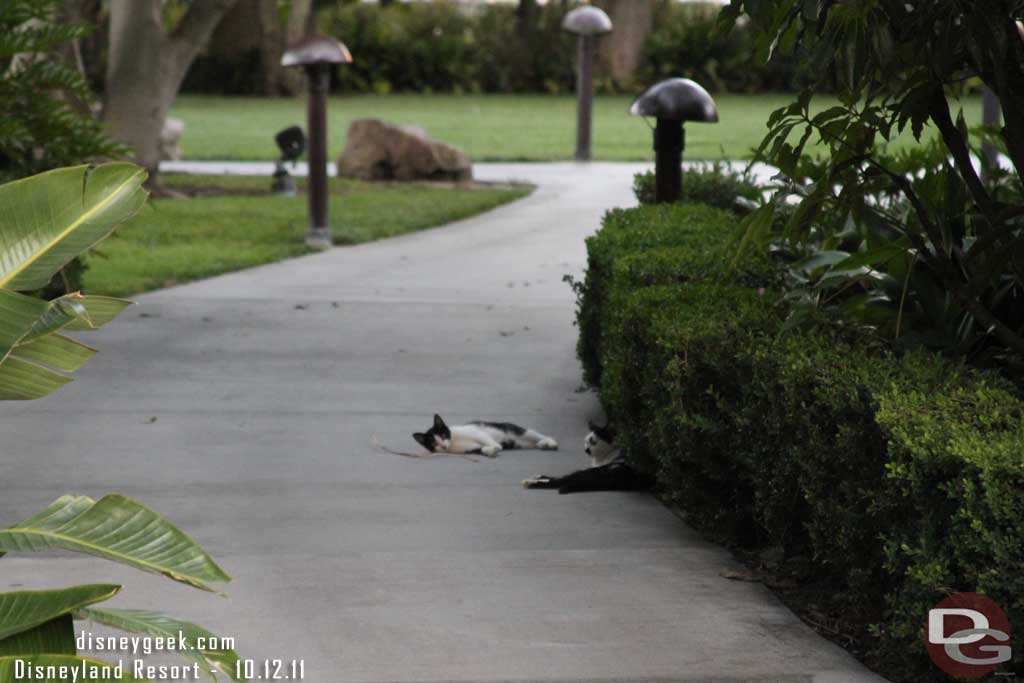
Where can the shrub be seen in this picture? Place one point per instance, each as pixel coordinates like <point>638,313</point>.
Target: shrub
<point>919,248</point>
<point>438,47</point>
<point>685,43</point>
<point>39,127</point>
<point>956,452</point>
<point>715,184</point>
<point>442,47</point>
<point>895,479</point>
<point>628,231</point>
<point>42,125</point>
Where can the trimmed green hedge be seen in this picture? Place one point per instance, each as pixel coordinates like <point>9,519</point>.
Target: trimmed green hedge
<point>896,480</point>
<point>716,184</point>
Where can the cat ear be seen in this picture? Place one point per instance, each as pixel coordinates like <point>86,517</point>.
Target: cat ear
<point>421,439</point>
<point>438,422</point>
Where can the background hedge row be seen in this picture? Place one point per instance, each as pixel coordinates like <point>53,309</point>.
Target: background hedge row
<point>881,483</point>
<point>436,47</point>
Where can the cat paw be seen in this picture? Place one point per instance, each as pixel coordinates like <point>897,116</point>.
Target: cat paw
<point>547,444</point>
<point>491,451</point>
<point>536,482</point>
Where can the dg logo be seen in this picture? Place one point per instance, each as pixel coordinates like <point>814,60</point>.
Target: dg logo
<point>968,635</point>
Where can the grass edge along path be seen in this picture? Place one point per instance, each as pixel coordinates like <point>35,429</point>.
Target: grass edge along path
<point>232,223</point>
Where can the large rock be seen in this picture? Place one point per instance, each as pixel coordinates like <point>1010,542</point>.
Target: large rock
<point>377,150</point>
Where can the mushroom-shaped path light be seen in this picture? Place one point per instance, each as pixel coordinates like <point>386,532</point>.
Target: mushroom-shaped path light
<point>317,56</point>
<point>586,22</point>
<point>673,102</point>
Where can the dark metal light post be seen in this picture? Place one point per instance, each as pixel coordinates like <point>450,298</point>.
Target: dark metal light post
<point>587,22</point>
<point>317,56</point>
<point>673,102</point>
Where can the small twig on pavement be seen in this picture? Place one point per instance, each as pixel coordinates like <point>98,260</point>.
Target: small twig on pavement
<point>425,455</point>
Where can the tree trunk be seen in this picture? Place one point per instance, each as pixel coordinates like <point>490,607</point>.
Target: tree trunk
<point>146,67</point>
<point>272,40</point>
<point>622,49</point>
<point>299,27</point>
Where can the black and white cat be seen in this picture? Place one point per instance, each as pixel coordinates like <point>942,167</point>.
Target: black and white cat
<point>484,438</point>
<point>609,470</point>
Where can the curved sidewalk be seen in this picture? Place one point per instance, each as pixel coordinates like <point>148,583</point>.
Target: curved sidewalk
<point>243,407</point>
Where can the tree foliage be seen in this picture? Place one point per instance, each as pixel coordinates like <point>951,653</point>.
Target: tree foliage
<point>40,128</point>
<point>918,249</point>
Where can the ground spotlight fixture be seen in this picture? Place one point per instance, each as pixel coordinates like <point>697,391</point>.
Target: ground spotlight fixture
<point>292,143</point>
<point>673,102</point>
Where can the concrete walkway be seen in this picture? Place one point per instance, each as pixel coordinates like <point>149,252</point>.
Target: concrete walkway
<point>243,407</point>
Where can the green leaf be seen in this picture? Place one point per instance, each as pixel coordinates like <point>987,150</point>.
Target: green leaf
<point>118,529</point>
<point>27,342</point>
<point>24,381</point>
<point>822,259</point>
<point>47,219</point>
<point>23,610</point>
<point>63,666</point>
<point>98,311</point>
<point>57,351</point>
<point>873,257</point>
<point>55,637</point>
<point>754,229</point>
<point>160,625</point>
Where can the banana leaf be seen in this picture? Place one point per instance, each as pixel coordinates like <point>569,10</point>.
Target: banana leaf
<point>160,625</point>
<point>118,529</point>
<point>54,637</point>
<point>24,610</point>
<point>29,343</point>
<point>50,218</point>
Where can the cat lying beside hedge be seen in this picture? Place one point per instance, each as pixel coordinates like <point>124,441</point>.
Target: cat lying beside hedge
<point>609,470</point>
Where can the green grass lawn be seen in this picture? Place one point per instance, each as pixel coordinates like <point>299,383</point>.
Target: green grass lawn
<point>488,127</point>
<point>176,240</point>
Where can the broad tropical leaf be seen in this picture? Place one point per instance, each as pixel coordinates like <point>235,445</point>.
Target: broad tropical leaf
<point>99,310</point>
<point>161,625</point>
<point>24,381</point>
<point>28,343</point>
<point>62,666</point>
<point>48,219</point>
<point>119,529</point>
<point>55,637</point>
<point>23,610</point>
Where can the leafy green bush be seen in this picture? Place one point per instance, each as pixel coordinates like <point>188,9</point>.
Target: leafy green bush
<point>922,255</point>
<point>892,479</point>
<point>438,47</point>
<point>685,43</point>
<point>39,128</point>
<point>42,125</point>
<point>640,230</point>
<point>956,451</point>
<point>716,184</point>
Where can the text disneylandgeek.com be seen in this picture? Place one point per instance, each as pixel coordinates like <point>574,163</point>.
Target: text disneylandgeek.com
<point>135,647</point>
